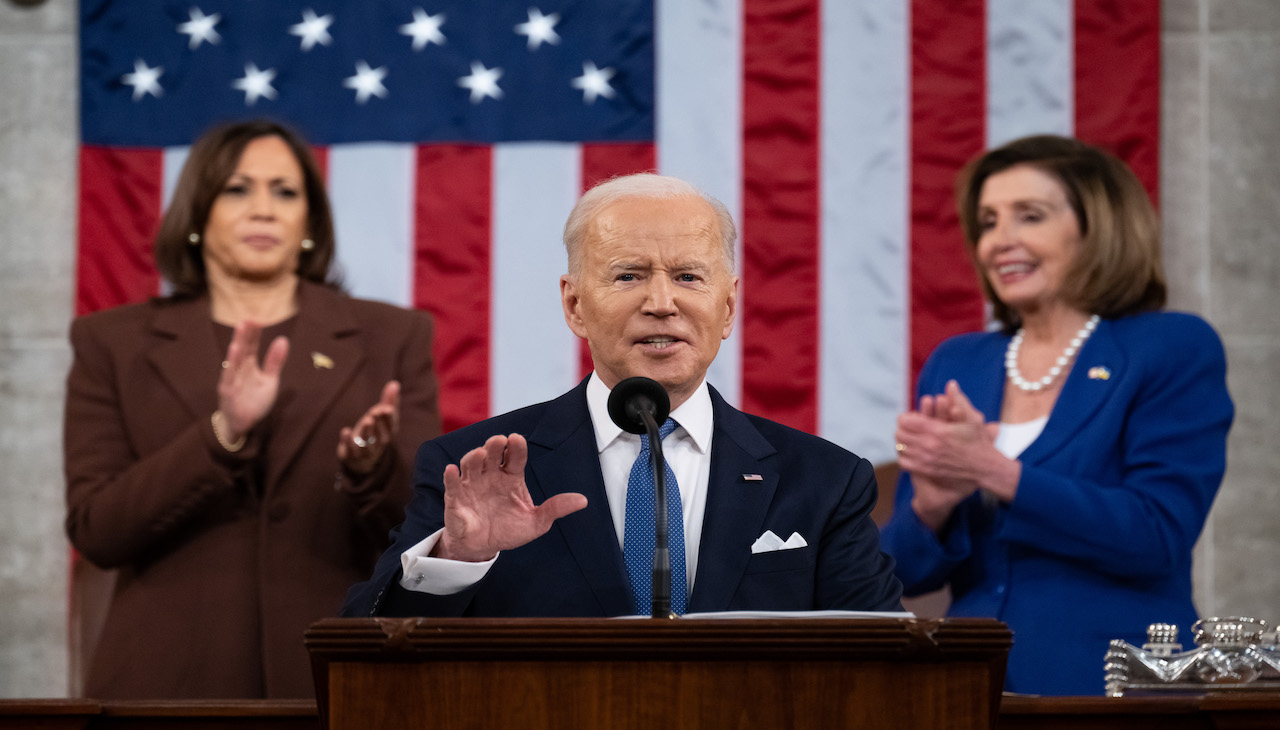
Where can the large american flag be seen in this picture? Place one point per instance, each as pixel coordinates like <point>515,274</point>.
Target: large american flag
<point>456,135</point>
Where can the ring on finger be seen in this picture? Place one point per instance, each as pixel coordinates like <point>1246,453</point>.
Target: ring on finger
<point>363,442</point>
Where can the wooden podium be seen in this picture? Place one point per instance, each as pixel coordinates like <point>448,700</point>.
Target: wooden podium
<point>645,673</point>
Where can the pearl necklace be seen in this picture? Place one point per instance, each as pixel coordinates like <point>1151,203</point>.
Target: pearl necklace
<point>1011,357</point>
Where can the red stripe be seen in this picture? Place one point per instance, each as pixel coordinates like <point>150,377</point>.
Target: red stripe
<point>452,212</point>
<point>602,161</point>
<point>120,194</point>
<point>948,120</point>
<point>780,203</point>
<point>599,163</point>
<point>1117,82</point>
<point>321,153</point>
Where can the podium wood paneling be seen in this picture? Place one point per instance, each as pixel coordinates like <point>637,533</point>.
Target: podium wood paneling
<point>229,714</point>
<point>688,673</point>
<point>1225,711</point>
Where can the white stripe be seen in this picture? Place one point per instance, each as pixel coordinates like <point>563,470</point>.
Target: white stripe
<point>371,186</point>
<point>864,292</point>
<point>699,80</point>
<point>1030,73</point>
<point>174,159</point>
<point>170,168</point>
<point>534,356</point>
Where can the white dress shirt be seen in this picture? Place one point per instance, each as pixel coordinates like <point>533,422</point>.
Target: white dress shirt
<point>687,451</point>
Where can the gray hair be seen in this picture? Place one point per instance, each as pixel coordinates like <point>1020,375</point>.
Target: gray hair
<point>642,185</point>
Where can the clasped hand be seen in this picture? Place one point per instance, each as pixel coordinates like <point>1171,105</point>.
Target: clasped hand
<point>487,507</point>
<point>950,452</point>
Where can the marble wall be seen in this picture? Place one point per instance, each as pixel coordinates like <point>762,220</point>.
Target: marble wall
<point>1220,203</point>
<point>1220,200</point>
<point>38,133</point>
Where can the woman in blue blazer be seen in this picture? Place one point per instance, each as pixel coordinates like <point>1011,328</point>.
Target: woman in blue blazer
<point>1059,471</point>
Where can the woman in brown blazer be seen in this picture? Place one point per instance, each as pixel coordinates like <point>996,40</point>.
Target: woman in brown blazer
<point>239,449</point>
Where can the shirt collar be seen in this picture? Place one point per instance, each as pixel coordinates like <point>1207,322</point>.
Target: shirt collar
<point>694,416</point>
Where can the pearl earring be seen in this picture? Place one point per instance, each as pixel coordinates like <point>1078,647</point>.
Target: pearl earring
<point>308,244</point>
<point>194,239</point>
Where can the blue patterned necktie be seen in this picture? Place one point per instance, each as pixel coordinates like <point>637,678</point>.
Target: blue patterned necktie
<point>638,537</point>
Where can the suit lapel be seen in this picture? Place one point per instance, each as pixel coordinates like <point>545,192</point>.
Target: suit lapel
<point>736,508</point>
<point>1083,393</point>
<point>185,353</point>
<point>983,384</point>
<point>563,458</point>
<point>324,355</point>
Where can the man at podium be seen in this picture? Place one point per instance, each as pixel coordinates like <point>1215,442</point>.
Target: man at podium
<point>549,510</point>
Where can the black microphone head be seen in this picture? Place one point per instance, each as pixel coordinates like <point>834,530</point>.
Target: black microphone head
<point>632,397</point>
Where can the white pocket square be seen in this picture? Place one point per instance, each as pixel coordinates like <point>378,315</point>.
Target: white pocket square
<point>769,542</point>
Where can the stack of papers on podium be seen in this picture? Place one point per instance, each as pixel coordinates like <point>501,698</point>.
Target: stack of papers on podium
<point>793,614</point>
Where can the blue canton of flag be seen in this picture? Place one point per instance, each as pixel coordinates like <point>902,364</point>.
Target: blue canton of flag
<point>157,73</point>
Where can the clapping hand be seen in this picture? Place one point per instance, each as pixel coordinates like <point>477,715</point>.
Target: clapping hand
<point>945,445</point>
<point>487,507</point>
<point>247,389</point>
<point>362,445</point>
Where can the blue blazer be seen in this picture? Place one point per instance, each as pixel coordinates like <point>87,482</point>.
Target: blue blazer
<point>807,485</point>
<point>1097,543</point>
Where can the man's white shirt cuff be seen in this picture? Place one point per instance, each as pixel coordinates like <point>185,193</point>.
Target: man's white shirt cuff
<point>425,574</point>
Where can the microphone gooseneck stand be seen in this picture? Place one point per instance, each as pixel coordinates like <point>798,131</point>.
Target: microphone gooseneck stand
<point>638,405</point>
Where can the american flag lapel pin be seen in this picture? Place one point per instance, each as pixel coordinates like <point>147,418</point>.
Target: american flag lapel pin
<point>752,478</point>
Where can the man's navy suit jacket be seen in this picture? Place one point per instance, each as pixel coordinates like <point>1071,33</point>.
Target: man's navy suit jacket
<point>807,486</point>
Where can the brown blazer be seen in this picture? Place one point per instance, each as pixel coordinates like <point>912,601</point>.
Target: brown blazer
<point>224,558</point>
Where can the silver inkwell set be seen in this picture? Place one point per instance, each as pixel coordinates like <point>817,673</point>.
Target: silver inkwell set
<point>1231,654</point>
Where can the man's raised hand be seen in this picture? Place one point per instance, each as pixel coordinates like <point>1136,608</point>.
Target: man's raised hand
<point>487,507</point>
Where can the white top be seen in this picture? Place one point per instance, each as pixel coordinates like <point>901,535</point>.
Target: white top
<point>1014,438</point>
<point>687,450</point>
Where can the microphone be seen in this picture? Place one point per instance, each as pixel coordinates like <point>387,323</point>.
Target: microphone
<point>631,399</point>
<point>638,405</point>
